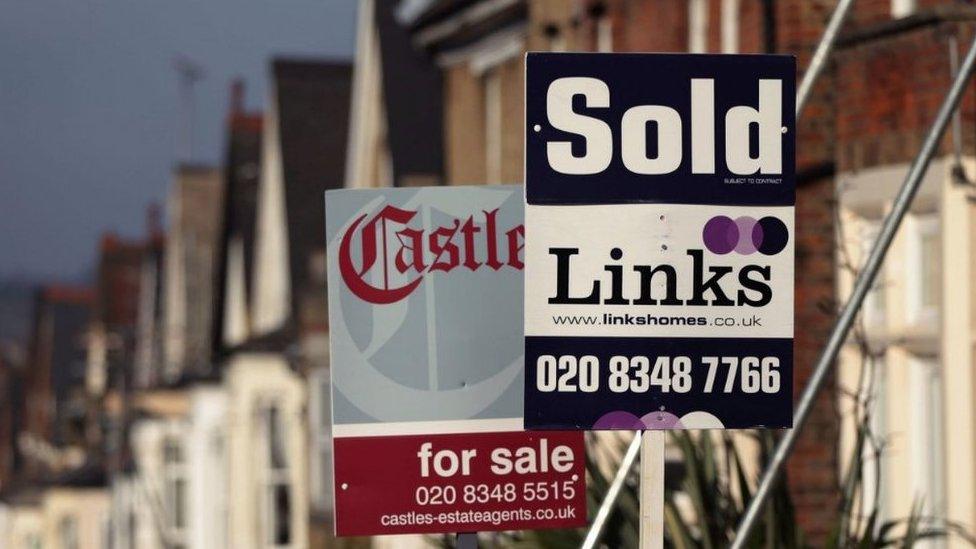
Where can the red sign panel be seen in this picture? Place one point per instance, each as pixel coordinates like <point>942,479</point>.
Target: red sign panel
<point>459,482</point>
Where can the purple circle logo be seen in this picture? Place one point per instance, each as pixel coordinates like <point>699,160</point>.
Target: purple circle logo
<point>745,235</point>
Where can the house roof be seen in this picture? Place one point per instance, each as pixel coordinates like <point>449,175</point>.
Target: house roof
<point>242,169</point>
<point>443,25</point>
<point>413,100</point>
<point>313,99</point>
<point>422,12</point>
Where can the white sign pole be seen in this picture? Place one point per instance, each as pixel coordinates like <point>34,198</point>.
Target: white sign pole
<point>652,490</point>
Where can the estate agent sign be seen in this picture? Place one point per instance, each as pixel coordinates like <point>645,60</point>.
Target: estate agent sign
<point>659,253</point>
<point>425,309</point>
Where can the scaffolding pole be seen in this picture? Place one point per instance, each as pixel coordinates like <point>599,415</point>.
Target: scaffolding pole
<point>862,285</point>
<point>600,520</point>
<point>822,53</point>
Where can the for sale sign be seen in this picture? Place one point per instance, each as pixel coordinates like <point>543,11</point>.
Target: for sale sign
<point>425,309</point>
<point>659,252</point>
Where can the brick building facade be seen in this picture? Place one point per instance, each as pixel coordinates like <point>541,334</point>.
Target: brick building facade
<point>483,133</point>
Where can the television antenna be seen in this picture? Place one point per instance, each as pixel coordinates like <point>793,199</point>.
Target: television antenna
<point>189,72</point>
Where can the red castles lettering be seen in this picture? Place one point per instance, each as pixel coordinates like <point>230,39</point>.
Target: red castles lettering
<point>447,247</point>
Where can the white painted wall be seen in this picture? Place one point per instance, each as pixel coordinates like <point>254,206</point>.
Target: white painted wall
<point>253,380</point>
<point>730,26</point>
<point>368,161</point>
<point>88,509</point>
<point>148,436</point>
<point>697,26</point>
<point>205,442</point>
<point>125,507</point>
<point>272,287</point>
<point>958,254</point>
<point>903,8</point>
<point>236,325</point>
<point>21,526</point>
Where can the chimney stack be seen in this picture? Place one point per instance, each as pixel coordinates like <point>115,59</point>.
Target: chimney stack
<point>154,221</point>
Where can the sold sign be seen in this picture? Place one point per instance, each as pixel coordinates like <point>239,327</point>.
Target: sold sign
<point>659,241</point>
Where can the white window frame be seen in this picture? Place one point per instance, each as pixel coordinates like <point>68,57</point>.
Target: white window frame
<point>875,303</point>
<point>320,420</point>
<point>604,34</point>
<point>730,26</point>
<point>270,478</point>
<point>175,473</point>
<point>903,8</point>
<point>216,455</point>
<point>922,226</point>
<point>927,441</point>
<point>68,532</point>
<point>697,26</point>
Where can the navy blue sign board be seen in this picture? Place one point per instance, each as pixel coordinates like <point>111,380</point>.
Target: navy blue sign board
<point>660,194</point>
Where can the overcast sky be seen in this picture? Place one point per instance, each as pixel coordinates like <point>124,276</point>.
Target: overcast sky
<point>90,110</point>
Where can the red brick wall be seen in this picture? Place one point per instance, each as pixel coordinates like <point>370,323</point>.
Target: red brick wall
<point>649,25</point>
<point>713,41</point>
<point>800,24</point>
<point>871,106</point>
<point>750,26</point>
<point>813,468</point>
<point>870,11</point>
<point>892,87</point>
